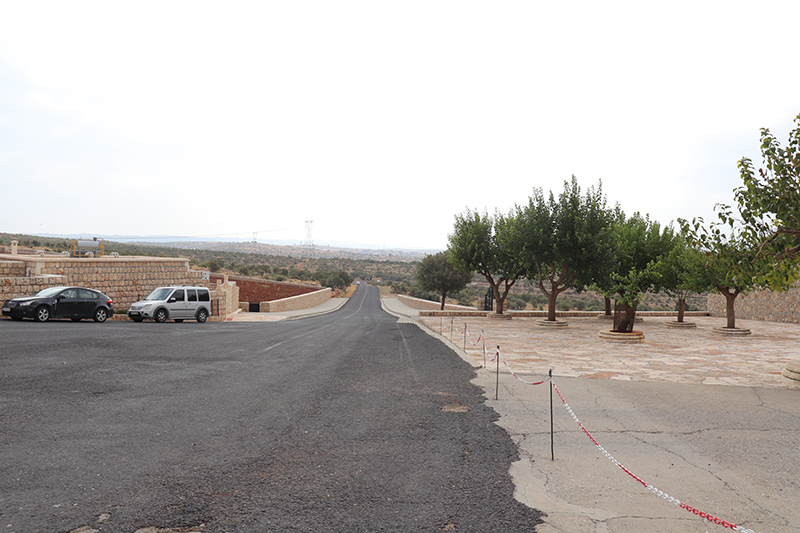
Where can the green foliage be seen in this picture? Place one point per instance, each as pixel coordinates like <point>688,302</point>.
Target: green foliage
<point>488,245</point>
<point>769,204</point>
<point>565,239</point>
<point>437,274</point>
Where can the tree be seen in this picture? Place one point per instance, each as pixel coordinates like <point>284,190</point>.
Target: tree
<point>436,273</point>
<point>564,240</point>
<point>769,203</point>
<point>732,257</point>
<point>339,280</point>
<point>682,272</point>
<point>639,244</point>
<point>488,245</point>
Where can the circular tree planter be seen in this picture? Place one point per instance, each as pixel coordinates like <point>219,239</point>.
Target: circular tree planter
<point>680,325</point>
<point>731,332</point>
<point>632,337</point>
<point>791,374</point>
<point>551,324</point>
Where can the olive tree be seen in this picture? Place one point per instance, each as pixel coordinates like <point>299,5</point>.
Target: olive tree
<point>488,245</point>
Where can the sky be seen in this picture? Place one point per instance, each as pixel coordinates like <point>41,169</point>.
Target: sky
<point>379,121</point>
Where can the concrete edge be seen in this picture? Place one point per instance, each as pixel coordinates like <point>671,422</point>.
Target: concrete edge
<point>409,320</point>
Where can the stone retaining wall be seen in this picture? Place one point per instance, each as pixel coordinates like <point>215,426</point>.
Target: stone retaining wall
<point>428,305</point>
<point>761,305</point>
<point>293,303</point>
<point>255,290</point>
<point>124,279</point>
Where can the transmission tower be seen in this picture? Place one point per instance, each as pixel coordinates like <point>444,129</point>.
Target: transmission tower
<point>308,244</point>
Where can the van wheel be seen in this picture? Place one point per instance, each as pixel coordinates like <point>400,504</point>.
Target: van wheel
<point>161,315</point>
<point>202,315</point>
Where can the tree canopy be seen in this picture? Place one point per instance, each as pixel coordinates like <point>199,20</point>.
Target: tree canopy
<point>564,239</point>
<point>436,273</point>
<point>639,245</point>
<point>488,245</point>
<point>769,202</point>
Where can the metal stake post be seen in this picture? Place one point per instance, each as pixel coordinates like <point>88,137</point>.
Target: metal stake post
<point>484,349</point>
<point>465,336</point>
<point>497,383</point>
<point>552,450</point>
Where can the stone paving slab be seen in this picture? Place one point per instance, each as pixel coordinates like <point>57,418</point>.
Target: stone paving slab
<point>696,356</point>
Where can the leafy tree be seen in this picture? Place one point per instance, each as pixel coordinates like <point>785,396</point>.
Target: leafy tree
<point>564,240</point>
<point>436,273</point>
<point>639,244</point>
<point>339,280</point>
<point>732,258</point>
<point>682,272</point>
<point>769,203</point>
<point>488,245</point>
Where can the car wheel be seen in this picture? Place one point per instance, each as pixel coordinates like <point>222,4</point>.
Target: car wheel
<point>101,314</point>
<point>137,319</point>
<point>202,315</point>
<point>161,315</point>
<point>42,314</point>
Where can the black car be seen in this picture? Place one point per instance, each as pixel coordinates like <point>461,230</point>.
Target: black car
<point>61,302</point>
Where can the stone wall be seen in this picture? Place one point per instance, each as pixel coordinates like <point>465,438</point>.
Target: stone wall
<point>293,303</point>
<point>255,290</point>
<point>761,305</point>
<point>427,305</point>
<point>124,279</point>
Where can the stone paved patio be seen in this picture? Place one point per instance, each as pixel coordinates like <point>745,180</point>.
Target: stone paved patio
<point>675,355</point>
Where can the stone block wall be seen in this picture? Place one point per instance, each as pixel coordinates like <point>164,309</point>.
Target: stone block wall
<point>12,269</point>
<point>124,279</point>
<point>255,290</point>
<point>293,303</point>
<point>761,305</point>
<point>427,305</point>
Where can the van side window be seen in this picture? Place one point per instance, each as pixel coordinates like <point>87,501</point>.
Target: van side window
<point>192,294</point>
<point>179,296</point>
<point>204,295</point>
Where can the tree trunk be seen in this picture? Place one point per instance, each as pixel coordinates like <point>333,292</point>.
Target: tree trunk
<point>730,300</point>
<point>444,297</point>
<point>551,306</point>
<point>608,305</point>
<point>626,324</point>
<point>681,308</point>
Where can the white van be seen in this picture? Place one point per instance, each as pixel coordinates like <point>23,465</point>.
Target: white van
<point>175,302</point>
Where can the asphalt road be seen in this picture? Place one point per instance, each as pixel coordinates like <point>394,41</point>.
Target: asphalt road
<point>349,421</point>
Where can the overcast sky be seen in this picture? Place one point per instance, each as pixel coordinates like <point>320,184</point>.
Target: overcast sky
<point>379,121</point>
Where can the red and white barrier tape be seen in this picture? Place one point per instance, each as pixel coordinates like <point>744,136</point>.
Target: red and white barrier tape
<point>711,518</point>
<point>515,374</point>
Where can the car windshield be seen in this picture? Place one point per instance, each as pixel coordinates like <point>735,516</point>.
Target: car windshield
<point>159,294</point>
<point>50,291</point>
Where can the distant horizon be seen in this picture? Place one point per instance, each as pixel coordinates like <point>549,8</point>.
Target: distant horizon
<point>167,239</point>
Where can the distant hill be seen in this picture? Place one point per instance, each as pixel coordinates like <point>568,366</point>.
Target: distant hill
<point>319,252</point>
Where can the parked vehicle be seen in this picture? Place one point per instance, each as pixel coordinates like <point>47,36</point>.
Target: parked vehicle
<point>175,302</point>
<point>74,303</point>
